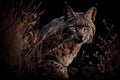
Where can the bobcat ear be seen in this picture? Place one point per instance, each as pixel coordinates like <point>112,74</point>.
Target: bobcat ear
<point>68,12</point>
<point>91,13</point>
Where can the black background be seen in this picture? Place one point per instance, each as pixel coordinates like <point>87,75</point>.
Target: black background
<point>108,10</point>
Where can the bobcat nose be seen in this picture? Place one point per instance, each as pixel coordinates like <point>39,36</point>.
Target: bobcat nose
<point>80,37</point>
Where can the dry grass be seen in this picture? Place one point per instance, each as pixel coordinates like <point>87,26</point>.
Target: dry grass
<point>20,35</point>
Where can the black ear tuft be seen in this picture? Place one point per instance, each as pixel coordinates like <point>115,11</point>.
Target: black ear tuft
<point>68,12</point>
<point>91,13</point>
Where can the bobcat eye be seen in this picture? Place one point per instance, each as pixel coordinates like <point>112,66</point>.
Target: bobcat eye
<point>72,29</point>
<point>86,28</point>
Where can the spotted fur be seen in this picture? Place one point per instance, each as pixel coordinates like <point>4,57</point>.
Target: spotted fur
<point>62,38</point>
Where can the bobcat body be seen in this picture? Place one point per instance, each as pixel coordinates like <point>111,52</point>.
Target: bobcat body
<point>61,40</point>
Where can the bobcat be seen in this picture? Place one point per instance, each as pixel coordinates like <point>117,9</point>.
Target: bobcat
<point>61,40</point>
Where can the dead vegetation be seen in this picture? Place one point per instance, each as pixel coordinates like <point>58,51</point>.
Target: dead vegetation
<point>20,35</point>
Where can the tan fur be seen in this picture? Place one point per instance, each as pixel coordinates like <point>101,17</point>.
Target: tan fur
<point>62,38</point>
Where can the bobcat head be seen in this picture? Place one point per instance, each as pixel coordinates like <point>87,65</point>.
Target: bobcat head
<point>79,26</point>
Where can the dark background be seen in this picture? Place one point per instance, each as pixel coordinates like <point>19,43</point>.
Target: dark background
<point>108,10</point>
